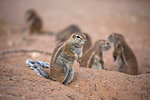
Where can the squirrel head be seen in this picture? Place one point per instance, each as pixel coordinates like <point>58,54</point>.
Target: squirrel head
<point>30,14</point>
<point>103,44</point>
<point>116,37</point>
<point>78,39</point>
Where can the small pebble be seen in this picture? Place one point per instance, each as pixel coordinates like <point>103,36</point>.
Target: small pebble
<point>76,85</point>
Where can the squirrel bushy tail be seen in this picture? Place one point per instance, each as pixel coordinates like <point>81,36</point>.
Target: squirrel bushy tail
<point>37,65</point>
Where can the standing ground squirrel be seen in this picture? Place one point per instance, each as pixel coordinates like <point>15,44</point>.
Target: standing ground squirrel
<point>33,21</point>
<point>63,57</point>
<point>93,58</point>
<point>67,32</point>
<point>127,62</point>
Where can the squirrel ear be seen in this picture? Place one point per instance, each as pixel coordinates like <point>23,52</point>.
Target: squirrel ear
<point>74,36</point>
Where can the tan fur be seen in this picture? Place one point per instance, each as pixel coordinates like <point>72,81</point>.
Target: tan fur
<point>66,33</point>
<point>33,21</point>
<point>127,62</point>
<point>61,67</point>
<point>93,58</point>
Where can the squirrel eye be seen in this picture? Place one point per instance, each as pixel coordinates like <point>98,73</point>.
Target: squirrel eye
<point>78,36</point>
<point>107,43</point>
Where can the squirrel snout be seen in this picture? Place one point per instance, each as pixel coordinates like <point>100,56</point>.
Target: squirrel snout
<point>83,41</point>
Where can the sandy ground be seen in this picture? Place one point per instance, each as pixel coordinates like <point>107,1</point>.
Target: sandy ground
<point>98,18</point>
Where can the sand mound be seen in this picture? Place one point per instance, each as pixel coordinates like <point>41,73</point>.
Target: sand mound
<point>19,82</point>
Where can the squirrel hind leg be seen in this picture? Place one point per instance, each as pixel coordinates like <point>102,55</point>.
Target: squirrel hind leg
<point>69,77</point>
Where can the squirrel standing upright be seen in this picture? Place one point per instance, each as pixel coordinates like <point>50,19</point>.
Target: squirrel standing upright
<point>63,57</point>
<point>33,21</point>
<point>93,58</point>
<point>125,57</point>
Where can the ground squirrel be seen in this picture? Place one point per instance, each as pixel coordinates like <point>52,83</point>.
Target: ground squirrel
<point>67,32</point>
<point>93,58</point>
<point>127,62</point>
<point>64,35</point>
<point>63,57</point>
<point>33,21</point>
